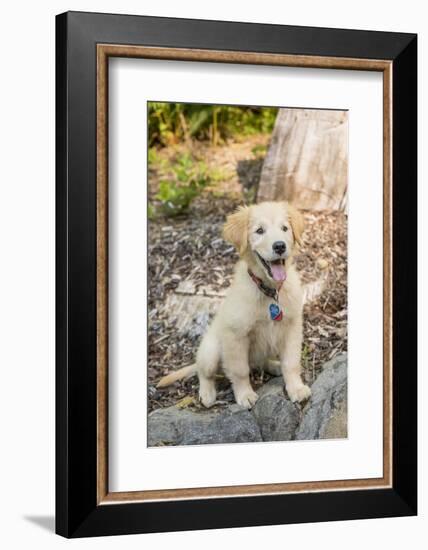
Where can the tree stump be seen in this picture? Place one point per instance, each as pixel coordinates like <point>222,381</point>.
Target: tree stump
<point>307,161</point>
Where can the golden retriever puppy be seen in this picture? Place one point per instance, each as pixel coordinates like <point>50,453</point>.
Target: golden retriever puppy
<point>259,323</point>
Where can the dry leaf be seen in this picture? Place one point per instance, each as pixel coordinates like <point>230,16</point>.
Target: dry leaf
<point>186,402</point>
<point>322,264</point>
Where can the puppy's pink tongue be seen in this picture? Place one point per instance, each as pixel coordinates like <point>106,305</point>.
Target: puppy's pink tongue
<point>278,272</point>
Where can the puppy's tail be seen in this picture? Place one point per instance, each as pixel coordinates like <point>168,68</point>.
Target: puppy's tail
<point>185,372</point>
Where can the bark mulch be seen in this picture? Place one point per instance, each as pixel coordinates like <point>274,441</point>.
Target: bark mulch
<point>190,248</point>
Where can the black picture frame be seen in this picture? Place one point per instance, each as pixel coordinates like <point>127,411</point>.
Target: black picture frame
<point>78,513</point>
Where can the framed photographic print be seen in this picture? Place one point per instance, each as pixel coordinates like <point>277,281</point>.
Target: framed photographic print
<point>236,274</point>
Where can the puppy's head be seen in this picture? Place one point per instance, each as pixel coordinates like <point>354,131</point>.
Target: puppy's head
<point>265,236</point>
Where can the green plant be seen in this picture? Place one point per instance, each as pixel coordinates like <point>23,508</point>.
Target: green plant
<point>152,157</point>
<point>151,211</point>
<point>188,179</point>
<point>259,150</point>
<point>173,122</point>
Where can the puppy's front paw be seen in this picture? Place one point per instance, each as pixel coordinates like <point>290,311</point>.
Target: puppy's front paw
<point>246,398</point>
<point>298,392</point>
<point>207,396</point>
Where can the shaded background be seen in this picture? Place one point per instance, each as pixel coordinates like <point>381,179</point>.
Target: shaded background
<point>204,161</point>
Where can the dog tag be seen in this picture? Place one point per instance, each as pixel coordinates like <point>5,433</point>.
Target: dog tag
<point>275,312</point>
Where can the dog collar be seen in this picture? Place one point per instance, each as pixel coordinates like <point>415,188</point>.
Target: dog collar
<point>274,309</point>
<point>267,290</point>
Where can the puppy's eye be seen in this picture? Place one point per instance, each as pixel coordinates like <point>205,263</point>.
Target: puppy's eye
<point>260,230</point>
<point>284,228</point>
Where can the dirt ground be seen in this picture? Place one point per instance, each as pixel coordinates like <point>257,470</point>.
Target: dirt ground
<point>190,249</point>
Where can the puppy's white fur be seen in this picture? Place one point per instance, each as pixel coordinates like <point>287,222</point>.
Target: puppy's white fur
<point>242,334</point>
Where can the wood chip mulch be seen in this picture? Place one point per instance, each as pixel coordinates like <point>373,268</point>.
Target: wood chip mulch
<point>191,249</point>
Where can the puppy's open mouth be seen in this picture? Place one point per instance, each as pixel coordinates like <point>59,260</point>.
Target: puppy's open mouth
<point>274,268</point>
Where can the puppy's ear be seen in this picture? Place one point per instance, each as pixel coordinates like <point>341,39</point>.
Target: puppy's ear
<point>235,230</point>
<point>297,222</point>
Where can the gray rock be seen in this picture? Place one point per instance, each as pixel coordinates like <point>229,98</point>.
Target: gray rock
<point>325,415</point>
<point>337,426</point>
<point>172,426</point>
<point>199,325</point>
<point>186,310</point>
<point>277,418</point>
<point>275,386</point>
<point>273,418</point>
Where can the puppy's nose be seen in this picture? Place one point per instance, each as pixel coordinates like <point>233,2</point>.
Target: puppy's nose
<point>279,247</point>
